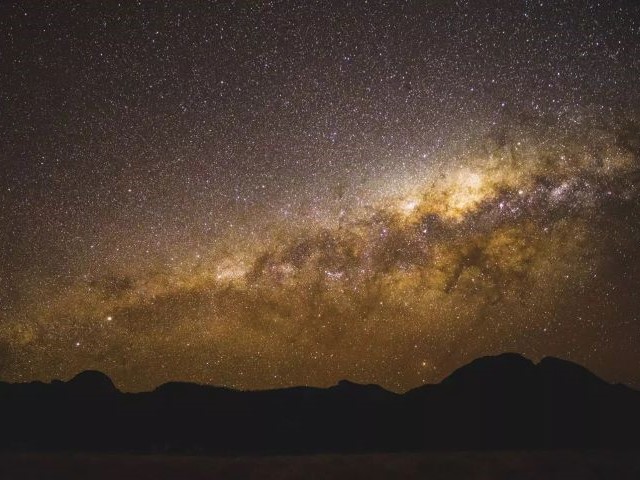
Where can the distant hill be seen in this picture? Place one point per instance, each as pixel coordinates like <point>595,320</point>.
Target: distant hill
<point>498,402</point>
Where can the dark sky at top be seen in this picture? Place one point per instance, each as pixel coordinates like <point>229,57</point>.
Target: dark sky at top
<point>260,194</point>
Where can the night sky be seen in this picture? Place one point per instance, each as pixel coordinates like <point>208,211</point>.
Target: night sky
<point>262,194</point>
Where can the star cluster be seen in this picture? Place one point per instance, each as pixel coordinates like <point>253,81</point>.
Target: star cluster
<point>260,194</point>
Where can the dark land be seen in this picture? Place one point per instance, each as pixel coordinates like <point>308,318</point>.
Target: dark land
<point>493,403</point>
<point>510,465</point>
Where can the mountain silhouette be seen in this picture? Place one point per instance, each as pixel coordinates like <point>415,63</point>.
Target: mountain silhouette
<point>498,402</point>
<point>91,382</point>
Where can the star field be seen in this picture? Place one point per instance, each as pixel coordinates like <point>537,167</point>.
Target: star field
<point>260,194</point>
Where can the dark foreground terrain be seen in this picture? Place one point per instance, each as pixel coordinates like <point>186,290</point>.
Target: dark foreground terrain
<point>565,465</point>
<point>494,403</point>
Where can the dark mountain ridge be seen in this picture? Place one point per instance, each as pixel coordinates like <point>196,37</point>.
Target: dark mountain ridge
<point>499,402</point>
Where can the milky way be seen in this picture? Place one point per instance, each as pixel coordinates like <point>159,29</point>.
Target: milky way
<point>260,194</point>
